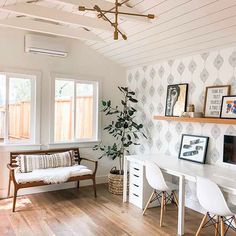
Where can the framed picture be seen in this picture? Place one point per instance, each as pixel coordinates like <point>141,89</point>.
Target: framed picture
<point>194,148</point>
<point>228,107</point>
<point>176,99</point>
<point>213,100</point>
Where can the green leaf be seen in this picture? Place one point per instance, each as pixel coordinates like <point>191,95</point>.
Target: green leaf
<point>133,100</point>
<point>104,103</point>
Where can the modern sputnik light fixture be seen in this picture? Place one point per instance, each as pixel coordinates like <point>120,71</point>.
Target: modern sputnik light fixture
<point>114,10</point>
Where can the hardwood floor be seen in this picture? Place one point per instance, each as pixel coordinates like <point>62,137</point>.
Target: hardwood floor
<point>77,212</point>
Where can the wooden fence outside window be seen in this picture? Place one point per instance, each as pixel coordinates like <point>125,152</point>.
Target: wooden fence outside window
<point>19,119</point>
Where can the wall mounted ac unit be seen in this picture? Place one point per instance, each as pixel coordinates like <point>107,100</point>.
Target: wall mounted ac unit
<point>45,45</point>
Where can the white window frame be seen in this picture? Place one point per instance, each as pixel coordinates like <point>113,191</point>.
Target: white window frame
<point>35,106</point>
<point>96,115</point>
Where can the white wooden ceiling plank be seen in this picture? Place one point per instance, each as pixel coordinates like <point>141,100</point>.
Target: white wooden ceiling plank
<point>183,14</point>
<point>183,51</point>
<point>224,24</point>
<point>41,27</point>
<point>45,13</point>
<point>201,17</point>
<point>207,22</point>
<point>186,43</point>
<point>184,54</point>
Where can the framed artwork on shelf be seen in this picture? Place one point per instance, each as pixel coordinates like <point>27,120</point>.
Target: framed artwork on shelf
<point>228,107</point>
<point>213,100</point>
<point>176,99</point>
<point>193,148</point>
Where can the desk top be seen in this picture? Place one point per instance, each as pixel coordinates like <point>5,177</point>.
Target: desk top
<point>223,176</point>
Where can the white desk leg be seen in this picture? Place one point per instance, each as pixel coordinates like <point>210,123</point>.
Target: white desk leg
<point>125,179</point>
<point>181,210</point>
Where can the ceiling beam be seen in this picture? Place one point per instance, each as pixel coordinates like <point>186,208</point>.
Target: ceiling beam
<point>47,28</point>
<point>55,15</point>
<point>105,5</point>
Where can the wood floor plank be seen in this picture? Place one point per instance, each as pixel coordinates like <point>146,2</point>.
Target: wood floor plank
<point>76,212</point>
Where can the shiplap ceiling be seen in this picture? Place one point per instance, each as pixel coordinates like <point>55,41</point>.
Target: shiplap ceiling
<point>182,27</point>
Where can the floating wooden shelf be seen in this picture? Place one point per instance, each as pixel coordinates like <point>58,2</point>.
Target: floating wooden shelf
<point>197,120</point>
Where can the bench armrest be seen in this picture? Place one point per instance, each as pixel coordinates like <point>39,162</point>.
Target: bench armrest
<point>95,163</point>
<point>10,167</point>
<point>12,172</point>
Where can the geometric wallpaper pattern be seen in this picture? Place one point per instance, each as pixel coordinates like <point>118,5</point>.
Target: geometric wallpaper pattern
<point>150,84</point>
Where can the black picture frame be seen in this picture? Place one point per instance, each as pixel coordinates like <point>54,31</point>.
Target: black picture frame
<point>222,116</point>
<point>193,149</point>
<point>182,96</point>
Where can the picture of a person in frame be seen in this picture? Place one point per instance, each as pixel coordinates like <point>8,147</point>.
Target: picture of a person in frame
<point>176,99</point>
<point>172,97</point>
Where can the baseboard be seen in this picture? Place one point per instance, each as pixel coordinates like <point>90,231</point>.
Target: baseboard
<point>54,187</point>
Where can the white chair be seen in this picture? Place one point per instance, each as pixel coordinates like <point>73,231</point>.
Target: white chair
<point>160,187</point>
<point>212,200</point>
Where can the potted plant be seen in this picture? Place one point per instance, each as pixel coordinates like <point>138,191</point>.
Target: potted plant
<point>125,132</point>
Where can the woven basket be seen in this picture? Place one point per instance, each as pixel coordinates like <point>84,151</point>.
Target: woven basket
<point>115,184</point>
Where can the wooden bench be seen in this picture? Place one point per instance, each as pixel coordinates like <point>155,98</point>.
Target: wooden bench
<point>13,165</point>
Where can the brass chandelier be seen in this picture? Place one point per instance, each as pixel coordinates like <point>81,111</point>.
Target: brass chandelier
<point>114,10</point>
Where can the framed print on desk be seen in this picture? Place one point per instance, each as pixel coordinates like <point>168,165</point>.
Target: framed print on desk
<point>213,100</point>
<point>193,148</point>
<point>176,99</point>
<point>228,107</point>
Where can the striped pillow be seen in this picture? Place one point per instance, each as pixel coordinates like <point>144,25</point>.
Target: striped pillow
<point>28,163</point>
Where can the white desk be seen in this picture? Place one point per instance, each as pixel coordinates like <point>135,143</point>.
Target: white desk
<point>184,170</point>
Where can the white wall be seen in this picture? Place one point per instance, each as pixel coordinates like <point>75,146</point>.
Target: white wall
<point>201,70</point>
<point>81,61</point>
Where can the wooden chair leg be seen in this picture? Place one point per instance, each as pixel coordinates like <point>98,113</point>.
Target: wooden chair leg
<point>162,207</point>
<point>149,200</point>
<point>175,198</point>
<point>14,199</point>
<point>164,201</point>
<point>94,188</point>
<point>217,225</point>
<point>201,225</point>
<point>222,226</point>
<point>9,186</point>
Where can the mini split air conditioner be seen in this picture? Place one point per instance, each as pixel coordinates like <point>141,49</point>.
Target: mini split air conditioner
<point>45,45</point>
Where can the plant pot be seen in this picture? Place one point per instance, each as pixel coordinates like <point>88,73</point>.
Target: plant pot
<point>115,183</point>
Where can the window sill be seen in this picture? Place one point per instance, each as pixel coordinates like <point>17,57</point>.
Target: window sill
<point>19,147</point>
<point>80,144</point>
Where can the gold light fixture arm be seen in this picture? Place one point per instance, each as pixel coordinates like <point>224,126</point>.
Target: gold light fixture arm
<point>97,8</point>
<point>150,16</point>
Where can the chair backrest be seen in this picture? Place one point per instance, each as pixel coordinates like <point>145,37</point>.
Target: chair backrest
<point>13,155</point>
<point>211,198</point>
<point>155,177</point>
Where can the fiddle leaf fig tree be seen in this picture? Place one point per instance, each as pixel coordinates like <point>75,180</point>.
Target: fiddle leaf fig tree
<point>125,131</point>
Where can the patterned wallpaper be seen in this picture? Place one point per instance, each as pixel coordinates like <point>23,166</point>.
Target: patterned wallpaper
<point>150,84</point>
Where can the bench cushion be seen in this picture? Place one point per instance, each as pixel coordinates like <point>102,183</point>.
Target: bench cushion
<point>28,163</point>
<point>52,175</point>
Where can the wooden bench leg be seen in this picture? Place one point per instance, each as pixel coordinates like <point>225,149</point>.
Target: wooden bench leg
<point>9,186</point>
<point>14,198</point>
<point>94,187</point>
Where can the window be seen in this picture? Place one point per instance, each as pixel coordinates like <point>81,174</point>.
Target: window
<point>17,103</point>
<point>75,110</point>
